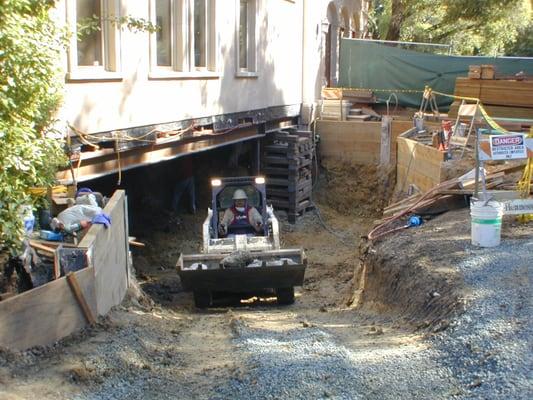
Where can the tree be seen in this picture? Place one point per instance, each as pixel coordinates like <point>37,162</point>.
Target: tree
<point>471,26</point>
<point>31,87</point>
<point>523,46</point>
<point>30,94</point>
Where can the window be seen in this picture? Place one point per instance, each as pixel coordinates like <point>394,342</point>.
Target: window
<point>243,36</point>
<point>200,28</point>
<point>96,54</point>
<point>164,35</point>
<point>246,38</point>
<point>184,45</point>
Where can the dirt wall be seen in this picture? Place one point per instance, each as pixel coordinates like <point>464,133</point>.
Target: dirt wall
<point>410,274</point>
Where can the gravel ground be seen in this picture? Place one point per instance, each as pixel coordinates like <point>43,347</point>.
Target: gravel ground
<point>310,363</point>
<point>489,347</point>
<point>486,352</point>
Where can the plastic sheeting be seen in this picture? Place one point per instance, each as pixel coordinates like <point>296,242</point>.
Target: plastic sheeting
<point>369,65</point>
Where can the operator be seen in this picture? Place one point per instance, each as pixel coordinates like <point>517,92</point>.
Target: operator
<point>240,216</point>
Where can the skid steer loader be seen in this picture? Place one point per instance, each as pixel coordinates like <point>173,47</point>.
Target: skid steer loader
<point>241,262</point>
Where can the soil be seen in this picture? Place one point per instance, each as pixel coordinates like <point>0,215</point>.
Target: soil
<point>353,189</point>
<point>379,300</point>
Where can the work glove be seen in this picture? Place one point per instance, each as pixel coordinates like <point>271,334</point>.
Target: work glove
<point>103,219</point>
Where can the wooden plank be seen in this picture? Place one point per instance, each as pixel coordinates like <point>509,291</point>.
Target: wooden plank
<point>43,315</point>
<point>363,117</point>
<point>53,245</point>
<point>332,93</point>
<point>42,247</point>
<point>109,255</point>
<point>350,127</point>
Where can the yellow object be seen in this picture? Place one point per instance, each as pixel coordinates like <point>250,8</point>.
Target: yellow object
<point>41,191</point>
<point>524,184</point>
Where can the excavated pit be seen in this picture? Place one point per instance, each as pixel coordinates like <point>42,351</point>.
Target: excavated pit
<point>410,274</point>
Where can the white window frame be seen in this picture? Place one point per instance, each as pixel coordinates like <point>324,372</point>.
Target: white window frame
<point>111,68</point>
<point>182,43</point>
<point>253,35</point>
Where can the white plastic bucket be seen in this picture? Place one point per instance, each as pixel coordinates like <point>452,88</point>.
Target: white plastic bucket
<point>486,223</point>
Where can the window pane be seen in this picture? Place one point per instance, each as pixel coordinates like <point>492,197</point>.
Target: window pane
<point>243,35</point>
<point>199,33</point>
<point>164,43</point>
<point>89,45</point>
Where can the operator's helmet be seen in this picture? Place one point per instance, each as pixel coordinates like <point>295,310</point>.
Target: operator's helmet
<point>240,194</point>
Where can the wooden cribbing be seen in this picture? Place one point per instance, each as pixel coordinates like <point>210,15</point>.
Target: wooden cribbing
<point>80,298</point>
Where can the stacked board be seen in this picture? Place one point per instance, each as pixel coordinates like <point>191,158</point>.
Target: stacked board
<point>288,165</point>
<point>502,98</point>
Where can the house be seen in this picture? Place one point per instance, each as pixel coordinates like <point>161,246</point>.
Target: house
<point>216,72</point>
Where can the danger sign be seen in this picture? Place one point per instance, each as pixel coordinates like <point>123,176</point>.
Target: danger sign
<point>508,147</point>
<point>518,206</point>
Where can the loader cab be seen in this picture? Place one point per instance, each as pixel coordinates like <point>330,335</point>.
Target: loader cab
<point>222,199</point>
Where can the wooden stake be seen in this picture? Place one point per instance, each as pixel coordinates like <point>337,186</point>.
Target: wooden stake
<point>57,263</point>
<point>80,298</point>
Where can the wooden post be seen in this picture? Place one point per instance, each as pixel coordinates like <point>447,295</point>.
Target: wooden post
<point>386,133</point>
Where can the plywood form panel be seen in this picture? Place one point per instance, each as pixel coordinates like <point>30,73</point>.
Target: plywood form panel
<point>423,182</point>
<point>420,150</point>
<point>45,314</point>
<point>353,141</point>
<point>109,254</point>
<point>421,163</point>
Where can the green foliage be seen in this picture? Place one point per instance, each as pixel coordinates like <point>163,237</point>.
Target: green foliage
<point>30,93</point>
<point>86,26</point>
<point>523,46</point>
<point>473,27</point>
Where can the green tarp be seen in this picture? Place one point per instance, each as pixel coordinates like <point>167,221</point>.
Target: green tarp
<point>369,65</point>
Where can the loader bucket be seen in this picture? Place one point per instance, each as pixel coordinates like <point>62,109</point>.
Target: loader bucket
<point>269,269</point>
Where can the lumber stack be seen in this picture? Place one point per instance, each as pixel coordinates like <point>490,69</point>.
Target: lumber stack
<point>341,104</point>
<point>287,165</point>
<point>335,110</point>
<point>484,71</point>
<point>499,179</point>
<point>505,98</point>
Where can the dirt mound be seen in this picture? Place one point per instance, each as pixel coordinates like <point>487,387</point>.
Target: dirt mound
<point>357,190</point>
<point>411,274</point>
